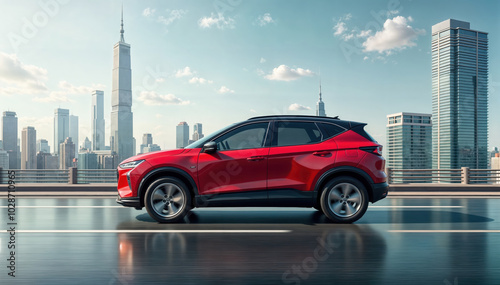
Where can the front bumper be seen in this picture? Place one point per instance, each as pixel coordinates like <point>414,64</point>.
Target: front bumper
<point>129,202</point>
<point>379,191</point>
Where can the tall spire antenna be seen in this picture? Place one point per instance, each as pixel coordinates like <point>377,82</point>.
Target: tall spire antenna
<point>320,89</point>
<point>121,30</point>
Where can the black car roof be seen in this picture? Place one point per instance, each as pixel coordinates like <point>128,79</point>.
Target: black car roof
<point>334,120</point>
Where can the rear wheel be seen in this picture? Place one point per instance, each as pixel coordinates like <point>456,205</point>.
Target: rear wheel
<point>344,199</point>
<point>167,200</point>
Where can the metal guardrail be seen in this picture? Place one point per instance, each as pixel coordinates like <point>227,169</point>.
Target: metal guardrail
<point>71,176</point>
<point>463,176</point>
<point>394,176</point>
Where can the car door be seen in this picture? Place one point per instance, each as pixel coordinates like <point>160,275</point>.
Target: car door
<point>299,152</point>
<point>238,165</point>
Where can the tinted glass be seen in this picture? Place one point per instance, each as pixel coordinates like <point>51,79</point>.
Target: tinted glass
<point>297,133</point>
<point>331,130</point>
<point>248,136</point>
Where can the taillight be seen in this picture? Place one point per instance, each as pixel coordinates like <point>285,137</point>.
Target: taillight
<point>372,149</point>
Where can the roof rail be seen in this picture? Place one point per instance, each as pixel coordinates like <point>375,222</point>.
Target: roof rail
<point>293,116</point>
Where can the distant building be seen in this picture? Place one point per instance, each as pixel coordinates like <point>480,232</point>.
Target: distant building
<point>98,126</point>
<point>122,141</point>
<point>61,127</point>
<point>42,145</point>
<point>492,154</point>
<point>87,160</point>
<point>1,145</point>
<point>28,152</point>
<point>87,144</point>
<point>106,160</point>
<point>320,106</point>
<point>47,161</point>
<point>4,160</point>
<point>73,131</point>
<point>198,128</point>
<point>147,144</point>
<point>459,96</point>
<point>409,141</point>
<point>182,135</point>
<point>66,153</point>
<point>9,138</point>
<point>495,164</point>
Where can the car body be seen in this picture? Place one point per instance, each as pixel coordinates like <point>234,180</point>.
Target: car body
<point>279,161</point>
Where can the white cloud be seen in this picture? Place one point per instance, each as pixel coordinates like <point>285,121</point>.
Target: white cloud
<point>19,78</point>
<point>65,89</point>
<point>172,15</point>
<point>396,34</point>
<point>153,98</point>
<point>297,107</point>
<point>285,73</point>
<point>148,12</point>
<point>339,28</point>
<point>364,34</point>
<point>186,71</point>
<point>224,90</point>
<point>219,21</point>
<point>264,19</point>
<point>200,80</point>
<point>262,60</point>
<point>366,58</point>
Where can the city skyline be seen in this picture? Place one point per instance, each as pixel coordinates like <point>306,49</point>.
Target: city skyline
<point>189,59</point>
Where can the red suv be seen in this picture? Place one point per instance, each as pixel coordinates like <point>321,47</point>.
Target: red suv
<point>278,161</point>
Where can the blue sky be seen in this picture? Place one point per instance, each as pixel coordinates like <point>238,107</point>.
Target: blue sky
<point>218,62</point>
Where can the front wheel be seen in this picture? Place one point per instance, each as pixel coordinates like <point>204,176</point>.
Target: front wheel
<point>167,200</point>
<point>344,199</point>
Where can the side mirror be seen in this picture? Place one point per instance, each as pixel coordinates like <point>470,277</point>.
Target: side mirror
<point>209,147</point>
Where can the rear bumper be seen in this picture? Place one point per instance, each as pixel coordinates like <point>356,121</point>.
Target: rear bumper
<point>379,191</point>
<point>129,202</point>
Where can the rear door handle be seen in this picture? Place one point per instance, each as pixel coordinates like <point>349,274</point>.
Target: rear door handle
<point>255,158</point>
<point>321,153</point>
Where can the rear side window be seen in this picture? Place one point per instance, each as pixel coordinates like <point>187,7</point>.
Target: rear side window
<point>296,133</point>
<point>330,130</point>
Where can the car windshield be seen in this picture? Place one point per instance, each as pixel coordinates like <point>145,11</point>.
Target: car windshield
<point>199,143</point>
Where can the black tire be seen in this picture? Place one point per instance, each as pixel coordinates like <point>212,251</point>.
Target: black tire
<point>344,199</point>
<point>167,200</point>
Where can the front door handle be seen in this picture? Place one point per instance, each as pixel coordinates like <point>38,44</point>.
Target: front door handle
<point>321,153</point>
<point>255,158</point>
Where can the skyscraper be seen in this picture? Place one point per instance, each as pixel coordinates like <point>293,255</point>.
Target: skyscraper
<point>73,131</point>
<point>66,153</point>
<point>459,96</point>
<point>61,127</point>
<point>198,128</point>
<point>147,144</point>
<point>28,152</point>
<point>9,137</point>
<point>409,140</point>
<point>122,141</point>
<point>97,125</point>
<point>182,135</point>
<point>43,146</point>
<point>4,160</point>
<point>320,106</point>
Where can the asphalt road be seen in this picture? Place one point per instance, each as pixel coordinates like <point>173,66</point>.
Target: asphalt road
<point>398,241</point>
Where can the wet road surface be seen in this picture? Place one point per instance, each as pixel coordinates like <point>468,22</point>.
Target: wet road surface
<point>398,241</point>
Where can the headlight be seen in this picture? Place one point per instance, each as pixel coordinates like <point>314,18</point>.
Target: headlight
<point>130,164</point>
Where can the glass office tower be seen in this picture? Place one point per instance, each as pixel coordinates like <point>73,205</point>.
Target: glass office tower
<point>459,96</point>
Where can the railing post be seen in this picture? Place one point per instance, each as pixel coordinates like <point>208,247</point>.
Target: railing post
<point>388,172</point>
<point>73,175</point>
<point>465,175</point>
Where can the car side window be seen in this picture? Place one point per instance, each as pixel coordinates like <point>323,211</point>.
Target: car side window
<point>330,130</point>
<point>247,136</point>
<point>297,133</point>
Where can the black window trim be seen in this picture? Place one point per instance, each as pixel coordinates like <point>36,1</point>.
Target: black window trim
<point>328,123</point>
<point>266,135</point>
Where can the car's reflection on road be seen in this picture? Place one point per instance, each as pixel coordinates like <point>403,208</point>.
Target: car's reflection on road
<point>340,253</point>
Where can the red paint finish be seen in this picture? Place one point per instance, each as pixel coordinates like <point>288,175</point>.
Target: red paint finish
<point>296,167</point>
<point>232,171</point>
